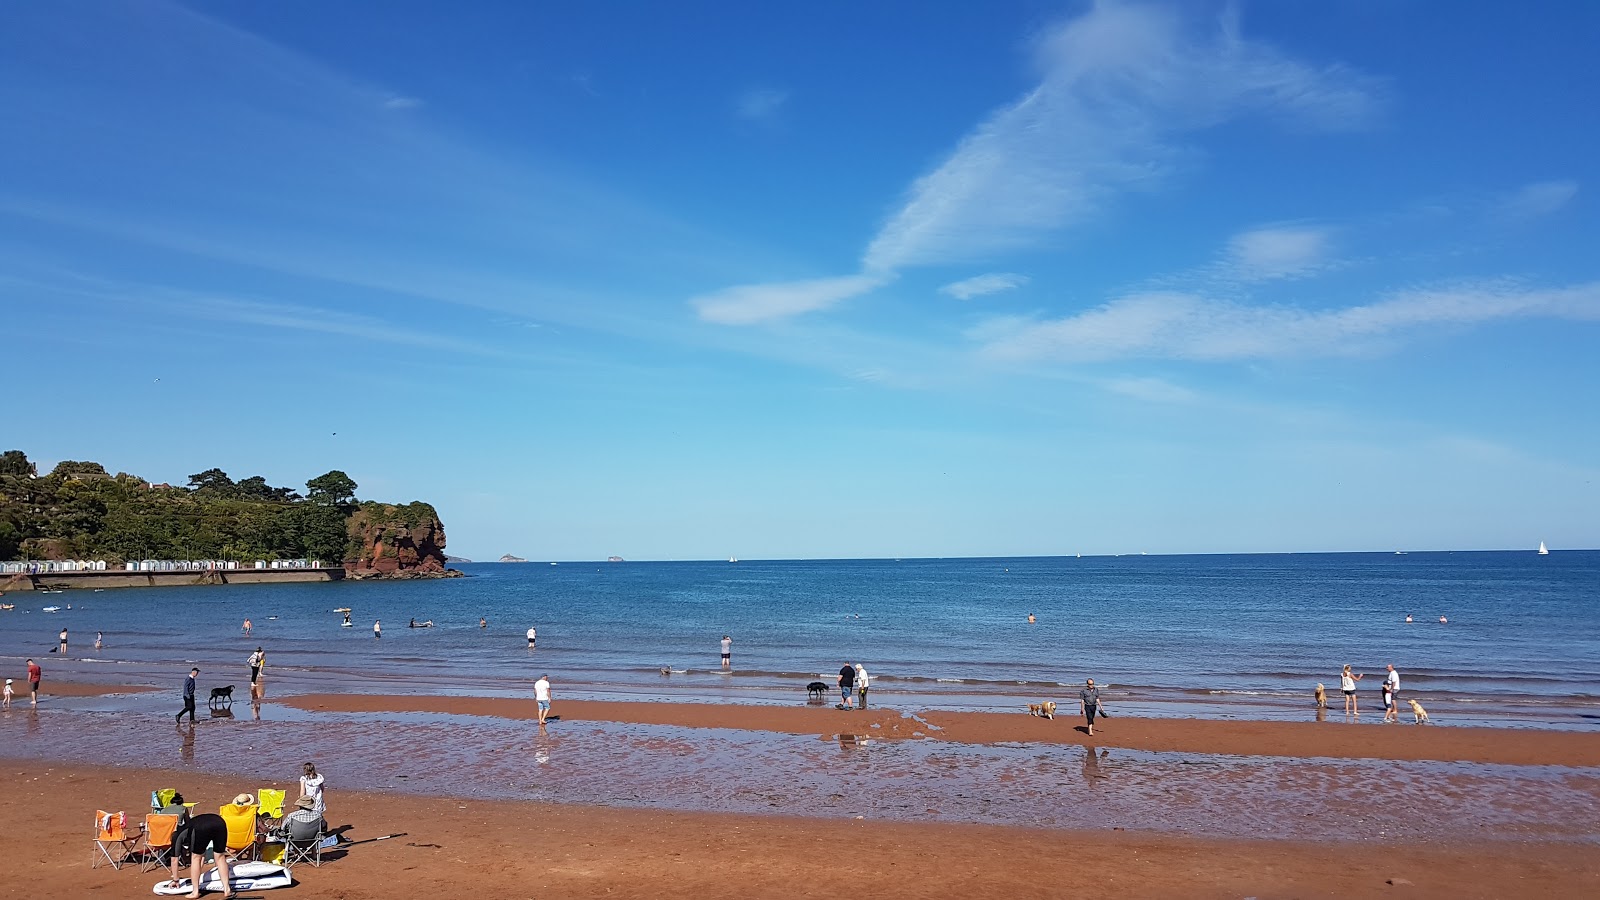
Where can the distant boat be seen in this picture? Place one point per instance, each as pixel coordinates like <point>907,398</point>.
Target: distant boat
<point>1542,550</point>
<point>733,559</point>
<point>51,609</point>
<point>1399,553</point>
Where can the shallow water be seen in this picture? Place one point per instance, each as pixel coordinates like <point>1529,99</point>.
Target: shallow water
<point>1241,636</point>
<point>669,767</point>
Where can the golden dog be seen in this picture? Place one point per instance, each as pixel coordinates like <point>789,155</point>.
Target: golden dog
<point>1419,714</point>
<point>1322,697</point>
<point>1045,710</point>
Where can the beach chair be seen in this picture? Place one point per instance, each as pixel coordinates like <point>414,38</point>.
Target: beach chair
<point>158,831</point>
<point>243,839</point>
<point>302,842</point>
<point>269,806</point>
<point>112,842</point>
<point>161,799</point>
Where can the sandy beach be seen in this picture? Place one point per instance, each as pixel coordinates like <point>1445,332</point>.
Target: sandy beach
<point>456,844</point>
<point>487,849</point>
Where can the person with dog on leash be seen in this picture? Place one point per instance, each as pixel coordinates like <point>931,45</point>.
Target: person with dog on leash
<point>188,698</point>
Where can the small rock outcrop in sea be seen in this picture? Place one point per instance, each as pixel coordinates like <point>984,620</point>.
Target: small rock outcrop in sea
<point>390,541</point>
<point>614,559</point>
<point>509,558</point>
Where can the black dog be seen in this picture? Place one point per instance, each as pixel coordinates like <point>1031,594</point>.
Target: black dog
<point>816,690</point>
<point>221,694</point>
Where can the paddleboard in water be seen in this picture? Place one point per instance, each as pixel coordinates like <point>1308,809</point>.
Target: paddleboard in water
<point>245,876</point>
<point>344,625</point>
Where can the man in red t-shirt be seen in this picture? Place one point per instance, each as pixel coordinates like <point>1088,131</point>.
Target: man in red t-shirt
<point>34,675</point>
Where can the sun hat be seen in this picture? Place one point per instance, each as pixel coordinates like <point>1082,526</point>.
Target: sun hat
<point>244,800</point>
<point>306,803</point>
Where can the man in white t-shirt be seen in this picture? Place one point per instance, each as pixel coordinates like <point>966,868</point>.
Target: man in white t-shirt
<point>727,651</point>
<point>532,633</point>
<point>541,693</point>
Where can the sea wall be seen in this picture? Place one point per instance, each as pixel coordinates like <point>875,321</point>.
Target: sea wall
<point>123,579</point>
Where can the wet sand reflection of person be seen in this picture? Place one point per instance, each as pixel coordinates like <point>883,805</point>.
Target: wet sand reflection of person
<point>1091,766</point>
<point>186,750</point>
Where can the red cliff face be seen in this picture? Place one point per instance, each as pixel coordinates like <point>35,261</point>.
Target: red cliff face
<point>395,540</point>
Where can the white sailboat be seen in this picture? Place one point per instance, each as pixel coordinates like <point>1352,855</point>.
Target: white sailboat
<point>1542,550</point>
<point>733,559</point>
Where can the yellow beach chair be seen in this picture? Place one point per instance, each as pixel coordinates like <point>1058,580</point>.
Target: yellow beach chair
<point>243,839</point>
<point>269,805</point>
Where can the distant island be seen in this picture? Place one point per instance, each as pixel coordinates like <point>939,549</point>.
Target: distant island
<point>509,558</point>
<point>615,559</point>
<point>456,559</point>
<point>79,511</point>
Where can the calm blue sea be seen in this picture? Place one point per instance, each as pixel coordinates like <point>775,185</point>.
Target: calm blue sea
<point>1245,635</point>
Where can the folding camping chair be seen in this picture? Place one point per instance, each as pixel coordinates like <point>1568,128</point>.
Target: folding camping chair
<point>269,803</point>
<point>158,831</point>
<point>162,798</point>
<point>112,842</point>
<point>243,839</point>
<point>302,842</point>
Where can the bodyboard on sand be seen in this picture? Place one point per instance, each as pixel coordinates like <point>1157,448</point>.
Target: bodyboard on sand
<point>245,876</point>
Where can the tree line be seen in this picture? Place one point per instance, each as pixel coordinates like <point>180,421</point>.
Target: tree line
<point>80,511</point>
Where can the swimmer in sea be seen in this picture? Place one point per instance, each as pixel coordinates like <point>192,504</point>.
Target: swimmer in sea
<point>1408,618</point>
<point>1443,621</point>
<point>1031,619</point>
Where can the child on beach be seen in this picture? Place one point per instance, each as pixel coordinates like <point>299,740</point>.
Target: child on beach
<point>7,704</point>
<point>1389,713</point>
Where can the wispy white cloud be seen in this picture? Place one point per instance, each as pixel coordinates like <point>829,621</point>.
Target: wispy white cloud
<point>749,304</point>
<point>761,104</point>
<point>982,285</point>
<point>1117,88</point>
<point>1277,252</point>
<point>1190,327</point>
<point>1538,199</point>
<point>395,101</point>
<point>1150,389</point>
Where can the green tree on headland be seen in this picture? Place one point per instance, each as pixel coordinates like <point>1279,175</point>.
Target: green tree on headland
<point>335,487</point>
<point>15,462</point>
<point>78,511</point>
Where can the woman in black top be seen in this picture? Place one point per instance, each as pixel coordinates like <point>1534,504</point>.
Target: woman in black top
<point>204,833</point>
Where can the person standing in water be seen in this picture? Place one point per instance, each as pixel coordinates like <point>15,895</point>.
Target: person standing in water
<point>541,694</point>
<point>533,634</point>
<point>99,639</point>
<point>727,652</point>
<point>1347,683</point>
<point>257,660</point>
<point>377,628</point>
<point>246,628</point>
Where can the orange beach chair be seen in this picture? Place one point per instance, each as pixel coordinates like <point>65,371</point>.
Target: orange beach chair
<point>158,831</point>
<point>112,842</point>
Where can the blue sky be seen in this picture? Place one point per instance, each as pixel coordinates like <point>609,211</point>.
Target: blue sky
<point>693,280</point>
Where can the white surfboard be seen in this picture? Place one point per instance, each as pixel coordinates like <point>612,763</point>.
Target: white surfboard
<point>245,876</point>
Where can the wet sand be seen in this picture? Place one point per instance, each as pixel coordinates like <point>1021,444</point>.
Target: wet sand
<point>51,688</point>
<point>1364,738</point>
<point>478,848</point>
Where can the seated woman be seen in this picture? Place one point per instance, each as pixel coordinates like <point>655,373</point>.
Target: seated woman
<point>202,834</point>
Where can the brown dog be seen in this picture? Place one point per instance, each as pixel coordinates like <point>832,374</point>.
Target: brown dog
<point>1045,710</point>
<point>1419,714</point>
<point>1322,697</point>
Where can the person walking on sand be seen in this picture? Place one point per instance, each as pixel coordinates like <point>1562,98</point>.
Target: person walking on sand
<point>188,698</point>
<point>847,687</point>
<point>861,684</point>
<point>1347,683</point>
<point>541,693</point>
<point>727,652</point>
<point>533,634</point>
<point>1089,703</point>
<point>257,660</point>
<point>34,674</point>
